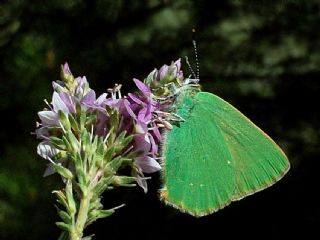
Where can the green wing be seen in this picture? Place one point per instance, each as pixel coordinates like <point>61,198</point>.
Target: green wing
<point>216,156</point>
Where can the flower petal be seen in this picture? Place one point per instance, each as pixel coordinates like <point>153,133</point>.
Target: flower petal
<point>58,87</point>
<point>48,118</point>
<point>42,133</point>
<point>129,110</point>
<point>101,99</point>
<point>58,103</point>
<point>156,133</point>
<point>142,87</point>
<point>142,143</point>
<point>135,98</point>
<point>140,128</point>
<point>163,71</point>
<point>69,101</point>
<point>89,98</point>
<point>47,150</point>
<point>66,69</point>
<point>145,114</point>
<point>141,180</point>
<point>178,64</point>
<point>49,170</point>
<point>147,164</point>
<point>50,167</point>
<point>154,146</point>
<point>82,86</point>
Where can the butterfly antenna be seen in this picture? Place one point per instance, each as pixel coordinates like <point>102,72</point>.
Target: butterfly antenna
<point>197,60</point>
<point>194,42</point>
<point>193,74</point>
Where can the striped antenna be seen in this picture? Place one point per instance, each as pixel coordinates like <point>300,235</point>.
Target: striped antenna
<point>196,53</point>
<point>187,61</point>
<point>194,75</point>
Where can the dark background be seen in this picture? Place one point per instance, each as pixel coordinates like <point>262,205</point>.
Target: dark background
<point>262,56</point>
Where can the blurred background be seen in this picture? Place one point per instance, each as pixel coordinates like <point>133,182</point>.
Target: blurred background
<point>261,56</point>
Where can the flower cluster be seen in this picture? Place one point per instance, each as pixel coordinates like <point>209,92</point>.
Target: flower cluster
<point>164,81</point>
<point>136,118</point>
<point>89,139</point>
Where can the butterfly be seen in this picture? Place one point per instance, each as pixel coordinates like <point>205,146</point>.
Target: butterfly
<point>215,155</point>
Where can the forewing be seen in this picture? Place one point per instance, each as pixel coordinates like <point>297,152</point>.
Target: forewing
<point>258,160</point>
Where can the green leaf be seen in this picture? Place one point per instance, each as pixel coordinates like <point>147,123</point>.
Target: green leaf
<point>102,185</point>
<point>64,172</point>
<point>114,119</point>
<point>95,203</point>
<point>131,155</point>
<point>111,136</point>
<point>118,142</point>
<point>78,162</point>
<point>86,141</point>
<point>61,198</point>
<point>96,214</point>
<point>109,154</point>
<point>127,140</point>
<point>67,144</point>
<point>63,226</point>
<point>99,155</point>
<point>122,141</point>
<point>83,181</point>
<point>117,163</point>
<point>63,236</point>
<point>124,181</point>
<point>71,202</point>
<point>73,141</point>
<point>74,124</point>
<point>90,120</point>
<point>113,166</point>
<point>64,120</point>
<point>103,213</point>
<point>58,143</point>
<point>83,118</point>
<point>88,237</point>
<point>65,216</point>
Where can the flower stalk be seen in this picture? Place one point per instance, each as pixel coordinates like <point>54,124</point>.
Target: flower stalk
<point>88,140</point>
<point>77,230</point>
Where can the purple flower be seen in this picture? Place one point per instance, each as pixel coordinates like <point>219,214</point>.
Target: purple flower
<point>65,100</point>
<point>66,70</point>
<point>145,90</point>
<point>137,117</point>
<point>161,81</point>
<point>147,137</point>
<point>50,118</point>
<point>147,164</point>
<point>137,112</point>
<point>144,102</point>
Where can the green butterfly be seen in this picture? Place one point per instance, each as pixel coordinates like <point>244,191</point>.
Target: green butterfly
<point>215,155</point>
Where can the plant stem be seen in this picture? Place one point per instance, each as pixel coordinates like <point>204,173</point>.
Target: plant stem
<point>77,231</point>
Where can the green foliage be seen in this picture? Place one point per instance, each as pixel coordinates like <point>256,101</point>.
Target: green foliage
<point>89,168</point>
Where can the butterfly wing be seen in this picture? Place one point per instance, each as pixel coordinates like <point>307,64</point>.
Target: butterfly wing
<point>216,156</point>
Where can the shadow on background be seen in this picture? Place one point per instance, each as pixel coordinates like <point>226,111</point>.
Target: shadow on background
<point>262,57</point>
